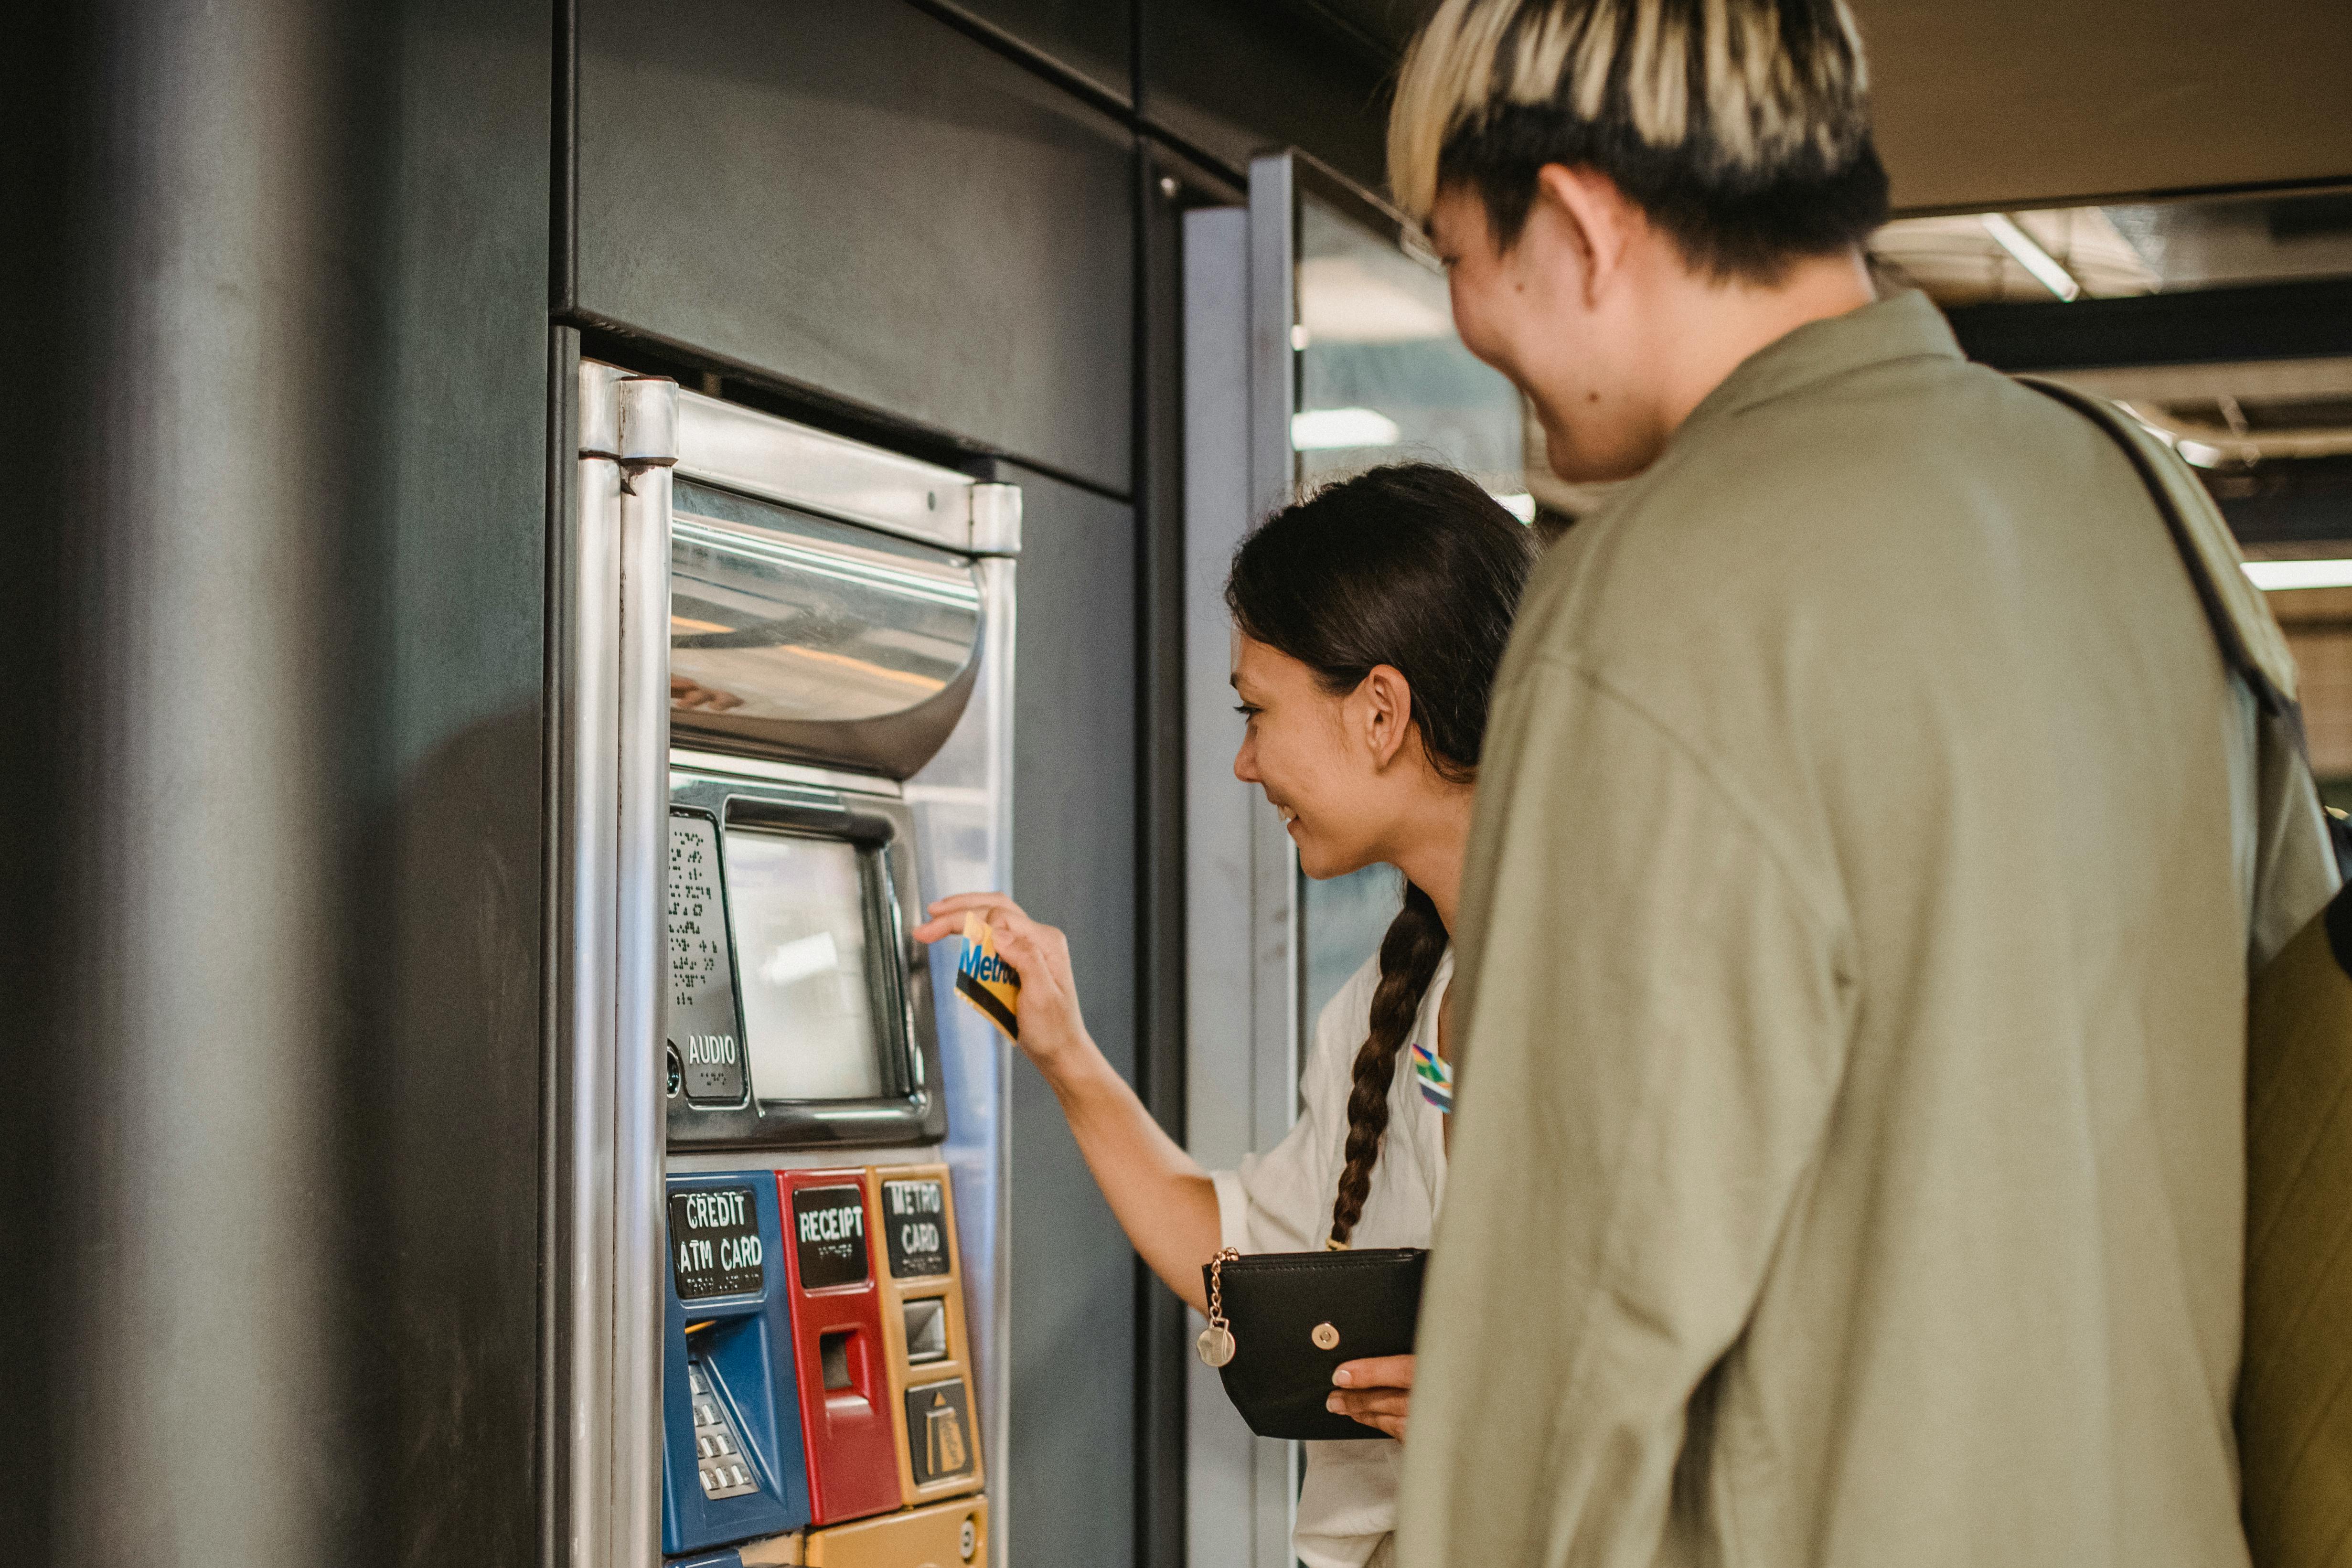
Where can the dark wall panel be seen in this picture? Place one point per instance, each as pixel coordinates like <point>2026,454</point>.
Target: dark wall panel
<point>1238,76</point>
<point>294,492</point>
<point>1074,859</point>
<point>1162,1338</point>
<point>858,198</point>
<point>458,838</point>
<point>1093,37</point>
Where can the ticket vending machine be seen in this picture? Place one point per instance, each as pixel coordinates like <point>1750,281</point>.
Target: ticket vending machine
<point>811,1142</point>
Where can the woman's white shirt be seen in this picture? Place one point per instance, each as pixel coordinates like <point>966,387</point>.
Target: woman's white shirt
<point>1280,1201</point>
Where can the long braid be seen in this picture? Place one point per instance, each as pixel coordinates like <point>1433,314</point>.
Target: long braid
<point>1410,955</point>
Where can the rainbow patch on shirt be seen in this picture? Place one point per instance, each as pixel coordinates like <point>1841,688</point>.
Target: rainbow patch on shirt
<point>1436,1076</point>
<point>986,981</point>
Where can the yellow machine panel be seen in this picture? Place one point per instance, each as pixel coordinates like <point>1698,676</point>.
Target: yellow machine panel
<point>944,1535</point>
<point>924,1345</point>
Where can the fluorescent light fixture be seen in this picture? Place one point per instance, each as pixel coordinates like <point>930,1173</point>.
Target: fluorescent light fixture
<point>1326,429</point>
<point>2031,257</point>
<point>2272,575</point>
<point>1521,506</point>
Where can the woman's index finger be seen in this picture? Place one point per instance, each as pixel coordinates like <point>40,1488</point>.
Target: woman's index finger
<point>956,901</point>
<point>1374,1371</point>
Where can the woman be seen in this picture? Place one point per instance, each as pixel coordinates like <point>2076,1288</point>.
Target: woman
<point>1368,621</point>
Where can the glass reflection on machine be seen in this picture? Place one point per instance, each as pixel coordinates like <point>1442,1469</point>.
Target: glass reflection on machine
<point>792,634</point>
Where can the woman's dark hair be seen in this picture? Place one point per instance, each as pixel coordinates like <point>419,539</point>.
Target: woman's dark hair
<point>1414,567</point>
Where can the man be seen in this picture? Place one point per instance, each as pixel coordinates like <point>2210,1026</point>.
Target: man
<point>1853,942</point>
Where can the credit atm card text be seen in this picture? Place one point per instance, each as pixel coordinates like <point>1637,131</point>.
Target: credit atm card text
<point>714,1243</point>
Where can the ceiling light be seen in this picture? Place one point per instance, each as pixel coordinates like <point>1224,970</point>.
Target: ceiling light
<point>2274,575</point>
<point>1326,429</point>
<point>2030,256</point>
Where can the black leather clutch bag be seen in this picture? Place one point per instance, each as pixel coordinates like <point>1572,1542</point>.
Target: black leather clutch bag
<point>1281,1323</point>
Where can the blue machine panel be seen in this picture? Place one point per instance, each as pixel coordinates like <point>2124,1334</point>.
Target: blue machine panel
<point>732,1463</point>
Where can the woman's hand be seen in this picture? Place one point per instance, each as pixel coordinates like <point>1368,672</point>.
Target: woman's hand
<point>1375,1391</point>
<point>1053,1031</point>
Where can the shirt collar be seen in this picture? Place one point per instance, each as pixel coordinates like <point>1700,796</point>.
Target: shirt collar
<point>1905,326</point>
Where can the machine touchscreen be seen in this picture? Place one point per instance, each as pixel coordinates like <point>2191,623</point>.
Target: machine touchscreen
<point>800,935</point>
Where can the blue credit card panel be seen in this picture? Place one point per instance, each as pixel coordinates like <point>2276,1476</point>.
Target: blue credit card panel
<point>732,1464</point>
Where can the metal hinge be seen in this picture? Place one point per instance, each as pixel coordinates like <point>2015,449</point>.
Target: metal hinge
<point>995,519</point>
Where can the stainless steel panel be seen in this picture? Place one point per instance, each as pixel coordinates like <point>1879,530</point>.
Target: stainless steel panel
<point>593,702</point>
<point>685,761</point>
<point>997,519</point>
<point>962,802</point>
<point>728,444</point>
<point>616,836</point>
<point>794,636</point>
<point>641,862</point>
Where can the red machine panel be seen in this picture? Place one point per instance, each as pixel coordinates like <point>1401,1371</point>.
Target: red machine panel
<point>837,1345</point>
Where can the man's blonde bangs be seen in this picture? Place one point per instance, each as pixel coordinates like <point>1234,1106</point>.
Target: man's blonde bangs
<point>1448,76</point>
<point>1722,81</point>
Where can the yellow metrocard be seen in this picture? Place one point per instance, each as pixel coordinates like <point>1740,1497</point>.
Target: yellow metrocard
<point>987,981</point>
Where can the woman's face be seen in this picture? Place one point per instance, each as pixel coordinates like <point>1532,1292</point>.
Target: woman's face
<point>1318,757</point>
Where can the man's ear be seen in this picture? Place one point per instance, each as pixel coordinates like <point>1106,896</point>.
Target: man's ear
<point>1592,216</point>
<point>1387,717</point>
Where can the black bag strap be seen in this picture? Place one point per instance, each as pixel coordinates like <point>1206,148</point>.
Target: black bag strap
<point>2234,651</point>
<point>2281,707</point>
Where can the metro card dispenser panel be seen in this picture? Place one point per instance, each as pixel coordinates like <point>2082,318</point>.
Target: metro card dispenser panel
<point>800,1012</point>
<point>837,1345</point>
<point>930,1357</point>
<point>732,1461</point>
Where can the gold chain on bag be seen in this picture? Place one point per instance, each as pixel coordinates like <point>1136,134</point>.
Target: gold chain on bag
<point>1216,1342</point>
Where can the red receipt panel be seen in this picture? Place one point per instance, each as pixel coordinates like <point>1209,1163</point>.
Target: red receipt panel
<point>837,1345</point>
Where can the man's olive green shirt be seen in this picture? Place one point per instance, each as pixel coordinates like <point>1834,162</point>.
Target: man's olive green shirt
<point>1849,1163</point>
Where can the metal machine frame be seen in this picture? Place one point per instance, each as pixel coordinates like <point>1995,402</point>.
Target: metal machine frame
<point>615,777</point>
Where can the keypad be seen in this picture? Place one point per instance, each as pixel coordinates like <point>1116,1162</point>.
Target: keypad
<point>718,1453</point>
